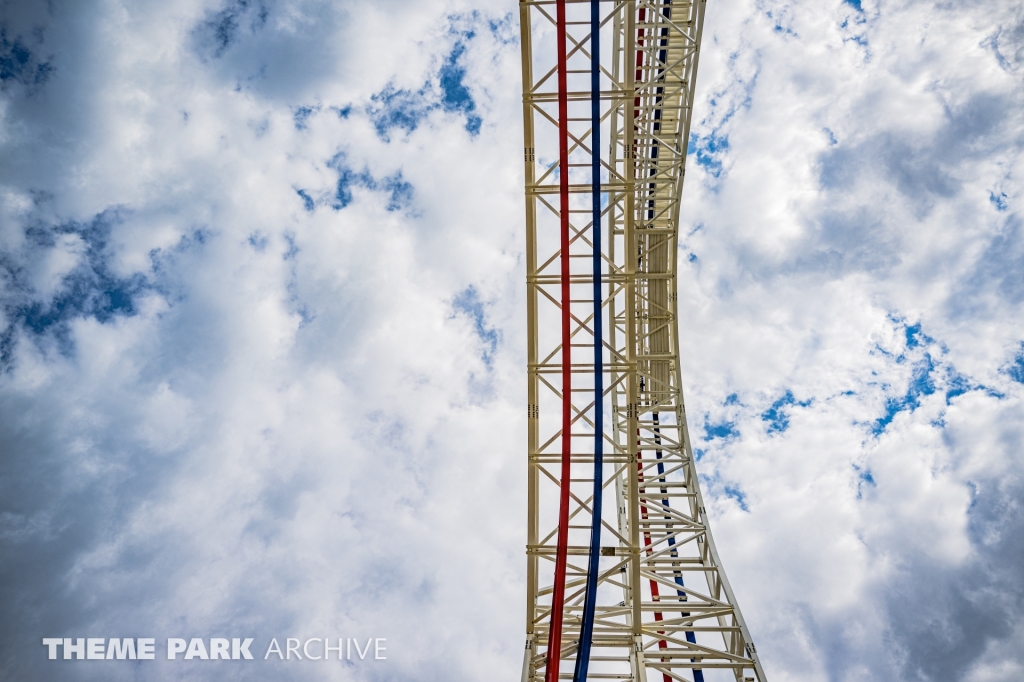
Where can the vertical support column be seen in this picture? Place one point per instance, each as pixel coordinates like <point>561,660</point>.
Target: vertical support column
<point>533,397</point>
<point>632,381</point>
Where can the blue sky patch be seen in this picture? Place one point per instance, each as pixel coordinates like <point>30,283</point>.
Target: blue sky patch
<point>998,200</point>
<point>777,24</point>
<point>921,384</point>
<point>714,487</point>
<point>737,494</point>
<point>709,151</point>
<point>307,200</point>
<point>455,96</point>
<point>400,192</point>
<point>347,179</point>
<point>864,477</point>
<point>302,114</point>
<point>400,109</point>
<point>777,417</point>
<point>293,248</point>
<point>258,241</point>
<point>1015,369</point>
<point>219,30</point>
<point>506,30</point>
<point>957,384</point>
<point>724,430</point>
<point>913,335</point>
<point>468,303</point>
<point>91,289</point>
<point>928,374</point>
<point>19,65</point>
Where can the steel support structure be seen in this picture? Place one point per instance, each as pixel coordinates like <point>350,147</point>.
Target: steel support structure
<point>636,591</point>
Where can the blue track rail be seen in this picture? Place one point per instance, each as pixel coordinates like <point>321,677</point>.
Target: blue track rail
<point>590,599</point>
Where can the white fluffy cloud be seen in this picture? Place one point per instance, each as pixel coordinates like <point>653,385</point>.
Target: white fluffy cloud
<point>261,332</point>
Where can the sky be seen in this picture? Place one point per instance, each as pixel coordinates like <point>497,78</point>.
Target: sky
<point>262,333</point>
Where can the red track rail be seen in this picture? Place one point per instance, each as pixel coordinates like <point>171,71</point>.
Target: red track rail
<point>554,654</point>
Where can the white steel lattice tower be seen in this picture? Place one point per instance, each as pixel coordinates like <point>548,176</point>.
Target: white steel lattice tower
<point>623,578</point>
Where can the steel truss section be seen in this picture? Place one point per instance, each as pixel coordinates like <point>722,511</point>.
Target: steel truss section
<point>663,606</point>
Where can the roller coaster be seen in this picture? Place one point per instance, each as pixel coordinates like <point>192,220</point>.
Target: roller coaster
<point>624,581</point>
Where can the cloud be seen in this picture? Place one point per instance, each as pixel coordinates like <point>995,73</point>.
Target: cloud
<point>262,348</point>
<point>212,420</point>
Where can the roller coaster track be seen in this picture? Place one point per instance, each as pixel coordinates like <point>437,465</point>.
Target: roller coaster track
<point>634,588</point>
